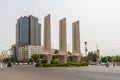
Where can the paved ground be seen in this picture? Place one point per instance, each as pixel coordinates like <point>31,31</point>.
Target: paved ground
<point>74,73</point>
<point>94,68</point>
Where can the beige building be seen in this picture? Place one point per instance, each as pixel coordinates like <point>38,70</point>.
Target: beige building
<point>45,52</point>
<point>62,35</point>
<point>47,33</point>
<point>5,54</point>
<point>75,37</point>
<point>34,31</point>
<point>76,53</point>
<point>25,52</point>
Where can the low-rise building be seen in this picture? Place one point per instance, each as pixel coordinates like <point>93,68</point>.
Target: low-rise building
<point>5,54</point>
<point>25,52</point>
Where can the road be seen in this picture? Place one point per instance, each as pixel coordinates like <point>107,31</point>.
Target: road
<point>74,73</point>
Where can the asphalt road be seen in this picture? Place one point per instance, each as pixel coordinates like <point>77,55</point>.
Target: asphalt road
<point>31,73</point>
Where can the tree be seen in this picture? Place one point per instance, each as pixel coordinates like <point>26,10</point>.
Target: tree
<point>56,51</point>
<point>109,58</point>
<point>6,60</point>
<point>69,52</point>
<point>106,59</point>
<point>91,57</point>
<point>35,57</point>
<point>116,58</point>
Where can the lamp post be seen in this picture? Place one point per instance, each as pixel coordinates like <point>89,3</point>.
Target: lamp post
<point>68,47</point>
<point>86,50</point>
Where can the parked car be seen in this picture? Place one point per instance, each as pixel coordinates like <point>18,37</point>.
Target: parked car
<point>103,64</point>
<point>93,63</point>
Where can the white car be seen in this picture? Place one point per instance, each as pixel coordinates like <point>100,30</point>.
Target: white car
<point>20,63</point>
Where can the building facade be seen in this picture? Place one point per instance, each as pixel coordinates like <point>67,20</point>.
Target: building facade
<point>47,33</point>
<point>35,31</point>
<point>22,31</point>
<point>28,31</point>
<point>28,40</point>
<point>25,52</point>
<point>75,37</point>
<point>5,54</point>
<point>62,35</point>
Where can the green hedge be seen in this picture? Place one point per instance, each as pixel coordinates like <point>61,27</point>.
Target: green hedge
<point>77,64</point>
<point>54,65</point>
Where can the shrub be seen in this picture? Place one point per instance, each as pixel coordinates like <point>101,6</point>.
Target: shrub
<point>56,51</point>
<point>84,63</point>
<point>72,63</point>
<point>9,64</point>
<point>48,65</point>
<point>60,65</point>
<point>38,65</point>
<point>54,62</point>
<point>6,60</point>
<point>54,65</point>
<point>78,64</point>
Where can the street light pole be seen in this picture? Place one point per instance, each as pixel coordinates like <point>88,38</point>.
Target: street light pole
<point>68,47</point>
<point>86,50</point>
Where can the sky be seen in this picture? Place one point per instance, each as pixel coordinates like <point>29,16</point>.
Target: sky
<point>99,21</point>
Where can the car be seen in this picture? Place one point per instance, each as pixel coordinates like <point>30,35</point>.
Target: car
<point>20,63</point>
<point>93,63</point>
<point>103,64</point>
<point>42,61</point>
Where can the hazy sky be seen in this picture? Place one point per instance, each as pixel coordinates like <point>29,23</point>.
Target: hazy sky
<point>99,21</point>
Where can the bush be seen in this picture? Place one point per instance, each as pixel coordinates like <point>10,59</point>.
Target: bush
<point>60,65</point>
<point>54,62</point>
<point>38,65</point>
<point>6,60</point>
<point>78,64</point>
<point>56,51</point>
<point>48,65</point>
<point>73,63</point>
<point>84,63</point>
<point>54,65</point>
<point>9,64</point>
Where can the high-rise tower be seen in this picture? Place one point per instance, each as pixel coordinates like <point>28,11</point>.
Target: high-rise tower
<point>75,37</point>
<point>35,33</point>
<point>28,31</point>
<point>62,35</point>
<point>47,32</point>
<point>22,31</point>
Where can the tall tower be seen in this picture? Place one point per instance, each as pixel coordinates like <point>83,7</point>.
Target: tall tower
<point>75,37</point>
<point>47,32</point>
<point>35,31</point>
<point>22,31</point>
<point>28,31</point>
<point>62,35</point>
